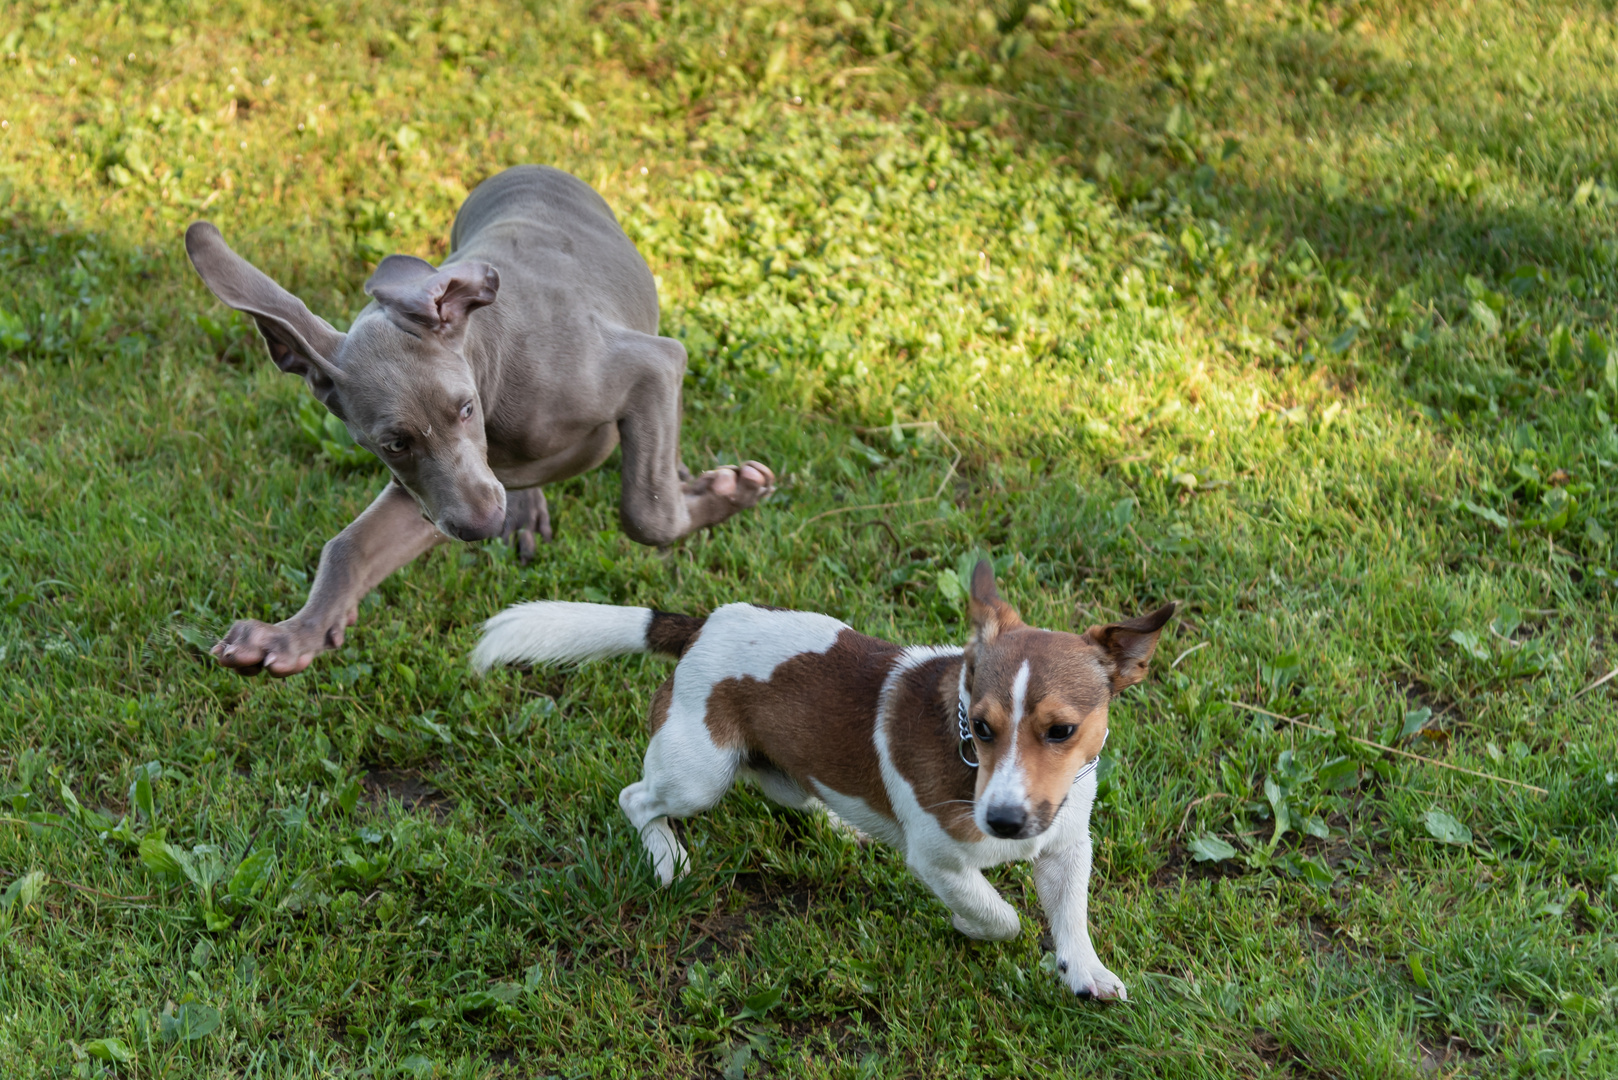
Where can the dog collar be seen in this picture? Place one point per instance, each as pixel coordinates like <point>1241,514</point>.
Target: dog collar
<point>964,729</point>
<point>1095,762</point>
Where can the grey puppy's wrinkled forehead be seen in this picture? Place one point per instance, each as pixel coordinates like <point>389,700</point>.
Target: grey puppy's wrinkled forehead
<point>392,376</point>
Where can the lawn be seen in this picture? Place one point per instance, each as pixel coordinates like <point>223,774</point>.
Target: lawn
<point>1298,312</point>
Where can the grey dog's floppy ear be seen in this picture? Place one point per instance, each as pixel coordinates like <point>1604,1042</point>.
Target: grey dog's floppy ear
<point>301,342</point>
<point>437,300</point>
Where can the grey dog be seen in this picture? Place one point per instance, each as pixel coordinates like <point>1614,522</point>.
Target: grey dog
<point>521,361</point>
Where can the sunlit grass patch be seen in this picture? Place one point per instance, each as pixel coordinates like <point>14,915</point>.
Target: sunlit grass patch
<point>1298,313</point>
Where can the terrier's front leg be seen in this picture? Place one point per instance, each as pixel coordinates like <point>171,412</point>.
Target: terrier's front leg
<point>1063,879</point>
<point>979,911</point>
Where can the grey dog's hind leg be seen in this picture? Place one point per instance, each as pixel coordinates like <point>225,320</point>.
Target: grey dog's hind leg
<point>661,501</point>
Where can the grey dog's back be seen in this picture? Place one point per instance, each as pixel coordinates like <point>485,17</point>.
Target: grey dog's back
<point>543,228</point>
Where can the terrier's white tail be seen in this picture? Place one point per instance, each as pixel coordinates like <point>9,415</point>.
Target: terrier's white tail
<point>559,632</point>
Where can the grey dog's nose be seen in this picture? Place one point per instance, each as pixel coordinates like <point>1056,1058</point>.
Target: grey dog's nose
<point>476,527</point>
<point>1006,821</point>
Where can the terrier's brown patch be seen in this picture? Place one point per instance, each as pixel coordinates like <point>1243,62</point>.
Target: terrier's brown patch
<point>1049,768</point>
<point>660,705</point>
<point>924,743</point>
<point>672,634</point>
<point>814,718</point>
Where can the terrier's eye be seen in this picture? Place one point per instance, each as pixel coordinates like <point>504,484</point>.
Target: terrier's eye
<point>1060,732</point>
<point>983,731</point>
<point>466,411</point>
<point>395,446</point>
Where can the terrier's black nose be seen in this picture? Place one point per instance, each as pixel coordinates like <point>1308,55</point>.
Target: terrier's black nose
<point>1006,821</point>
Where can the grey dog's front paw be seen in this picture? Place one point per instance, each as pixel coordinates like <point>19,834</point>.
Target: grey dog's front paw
<point>527,513</point>
<point>281,649</point>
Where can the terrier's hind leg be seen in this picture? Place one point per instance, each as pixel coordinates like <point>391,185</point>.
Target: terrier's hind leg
<point>668,855</point>
<point>685,773</point>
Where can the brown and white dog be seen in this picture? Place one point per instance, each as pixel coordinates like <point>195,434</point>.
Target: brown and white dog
<point>816,713</point>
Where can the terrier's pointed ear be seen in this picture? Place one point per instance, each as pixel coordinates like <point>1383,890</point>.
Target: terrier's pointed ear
<point>991,616</point>
<point>1127,647</point>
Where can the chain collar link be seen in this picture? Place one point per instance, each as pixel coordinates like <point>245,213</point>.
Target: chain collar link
<point>1095,761</point>
<point>965,731</point>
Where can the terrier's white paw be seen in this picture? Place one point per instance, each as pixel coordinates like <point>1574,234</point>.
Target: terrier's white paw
<point>849,830</point>
<point>1092,981</point>
<point>995,926</point>
<point>670,866</point>
<point>669,858</point>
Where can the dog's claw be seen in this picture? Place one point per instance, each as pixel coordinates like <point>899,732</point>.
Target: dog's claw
<point>526,515</point>
<point>741,486</point>
<point>251,647</point>
<point>758,475</point>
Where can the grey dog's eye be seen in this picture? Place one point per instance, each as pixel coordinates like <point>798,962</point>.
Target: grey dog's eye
<point>394,446</point>
<point>466,411</point>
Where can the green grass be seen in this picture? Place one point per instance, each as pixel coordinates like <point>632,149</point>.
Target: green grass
<point>1298,312</point>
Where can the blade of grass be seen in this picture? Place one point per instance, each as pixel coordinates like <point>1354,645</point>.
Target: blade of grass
<point>1389,749</point>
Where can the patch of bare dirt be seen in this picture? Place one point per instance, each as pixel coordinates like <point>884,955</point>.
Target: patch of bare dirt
<point>843,1032</point>
<point>407,786</point>
<point>753,897</point>
<point>1182,867</point>
<point>1453,1057</point>
<point>1329,937</point>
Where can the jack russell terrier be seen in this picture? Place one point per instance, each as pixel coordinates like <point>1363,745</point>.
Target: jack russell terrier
<point>960,758</point>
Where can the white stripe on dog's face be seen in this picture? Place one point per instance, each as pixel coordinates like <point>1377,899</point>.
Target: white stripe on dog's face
<point>1004,798</point>
<point>1041,698</point>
